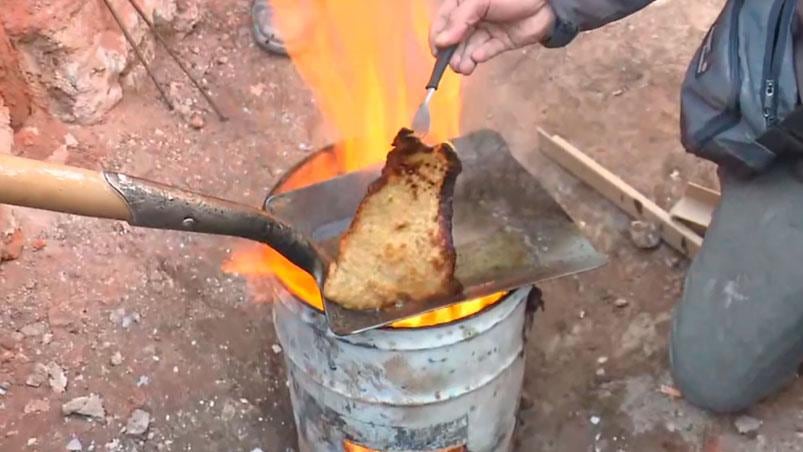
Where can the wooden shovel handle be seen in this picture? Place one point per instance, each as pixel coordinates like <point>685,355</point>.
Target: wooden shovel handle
<point>61,188</point>
<point>144,203</point>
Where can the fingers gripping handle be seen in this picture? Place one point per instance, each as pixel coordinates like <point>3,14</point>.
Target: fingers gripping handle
<point>441,63</point>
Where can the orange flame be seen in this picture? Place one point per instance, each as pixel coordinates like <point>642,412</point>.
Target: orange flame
<point>367,63</point>
<point>352,447</point>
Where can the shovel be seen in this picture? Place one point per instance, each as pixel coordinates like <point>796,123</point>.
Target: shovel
<point>508,231</point>
<point>143,203</point>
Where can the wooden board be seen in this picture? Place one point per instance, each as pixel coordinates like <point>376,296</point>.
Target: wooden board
<point>619,192</point>
<point>696,207</point>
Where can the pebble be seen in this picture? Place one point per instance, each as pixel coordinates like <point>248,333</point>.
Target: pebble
<point>8,342</point>
<point>70,141</point>
<point>257,90</point>
<point>747,425</point>
<point>197,121</point>
<point>58,379</point>
<point>138,423</point>
<point>595,420</point>
<point>75,444</point>
<point>602,360</point>
<point>36,406</point>
<point>34,329</point>
<point>116,359</point>
<point>130,319</point>
<point>90,406</point>
<point>116,316</point>
<point>644,234</point>
<point>31,441</point>
<point>38,376</point>
<point>47,338</point>
<point>621,302</point>
<point>276,348</point>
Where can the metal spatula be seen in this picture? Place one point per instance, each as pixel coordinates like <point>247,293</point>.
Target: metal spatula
<point>421,118</point>
<point>508,232</point>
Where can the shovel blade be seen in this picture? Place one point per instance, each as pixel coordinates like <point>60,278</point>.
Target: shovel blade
<point>508,232</point>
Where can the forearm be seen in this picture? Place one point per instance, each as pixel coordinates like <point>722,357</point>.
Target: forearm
<point>574,16</point>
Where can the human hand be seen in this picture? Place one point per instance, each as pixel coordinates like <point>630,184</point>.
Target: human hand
<point>486,28</point>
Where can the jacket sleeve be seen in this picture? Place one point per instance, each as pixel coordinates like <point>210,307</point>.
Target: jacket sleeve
<point>574,16</point>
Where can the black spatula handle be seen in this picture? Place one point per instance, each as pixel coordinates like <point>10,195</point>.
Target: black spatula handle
<point>441,63</point>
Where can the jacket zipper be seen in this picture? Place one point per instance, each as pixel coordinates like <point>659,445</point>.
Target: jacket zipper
<point>780,21</point>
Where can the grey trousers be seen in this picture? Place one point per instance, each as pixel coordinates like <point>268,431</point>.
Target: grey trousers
<point>737,334</point>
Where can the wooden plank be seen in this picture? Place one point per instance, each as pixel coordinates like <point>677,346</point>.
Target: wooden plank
<point>613,188</point>
<point>696,207</point>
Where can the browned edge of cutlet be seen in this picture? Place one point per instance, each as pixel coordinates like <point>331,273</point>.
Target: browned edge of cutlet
<point>406,143</point>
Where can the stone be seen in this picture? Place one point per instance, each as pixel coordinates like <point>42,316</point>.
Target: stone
<point>645,235</point>
<point>38,376</point>
<point>116,359</point>
<point>130,319</point>
<point>89,406</point>
<point>70,141</point>
<point>621,302</point>
<point>75,445</point>
<point>138,423</point>
<point>34,329</point>
<point>11,245</point>
<point>257,90</point>
<point>229,411</point>
<point>116,316</point>
<point>36,406</point>
<point>747,425</point>
<point>58,379</point>
<point>197,121</point>
<point>8,342</point>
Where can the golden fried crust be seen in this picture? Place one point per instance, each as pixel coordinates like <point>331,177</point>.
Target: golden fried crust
<point>399,245</point>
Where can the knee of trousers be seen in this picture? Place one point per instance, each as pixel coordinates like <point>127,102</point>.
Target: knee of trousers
<point>717,375</point>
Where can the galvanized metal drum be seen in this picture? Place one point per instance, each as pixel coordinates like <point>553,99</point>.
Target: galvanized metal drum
<point>454,386</point>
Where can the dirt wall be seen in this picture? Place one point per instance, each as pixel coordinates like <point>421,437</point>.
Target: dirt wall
<point>73,55</point>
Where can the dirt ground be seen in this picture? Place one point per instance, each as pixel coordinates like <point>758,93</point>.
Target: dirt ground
<point>146,319</point>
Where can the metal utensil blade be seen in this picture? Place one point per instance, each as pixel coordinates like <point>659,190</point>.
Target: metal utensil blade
<point>421,119</point>
<point>508,231</point>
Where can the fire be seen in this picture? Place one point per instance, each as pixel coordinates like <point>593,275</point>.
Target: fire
<point>352,447</point>
<point>366,62</point>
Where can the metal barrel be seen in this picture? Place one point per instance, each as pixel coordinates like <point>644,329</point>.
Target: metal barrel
<point>454,386</point>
